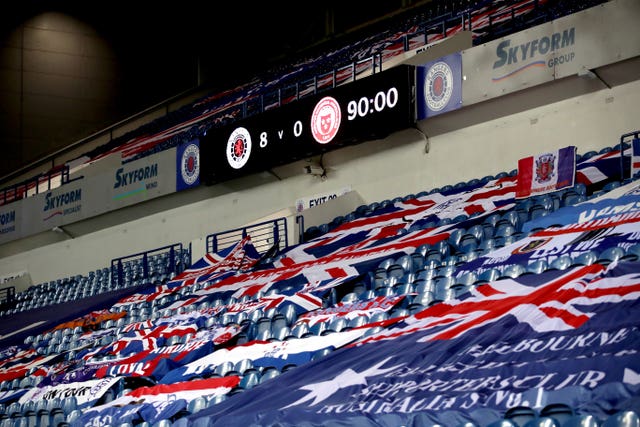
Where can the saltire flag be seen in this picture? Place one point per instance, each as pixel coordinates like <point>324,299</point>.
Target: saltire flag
<point>276,353</point>
<point>546,172</point>
<point>154,403</point>
<point>572,240</point>
<point>635,156</point>
<point>562,336</point>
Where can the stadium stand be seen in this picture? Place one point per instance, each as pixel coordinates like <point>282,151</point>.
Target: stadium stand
<point>457,305</point>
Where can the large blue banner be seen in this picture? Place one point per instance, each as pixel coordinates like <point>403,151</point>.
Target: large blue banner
<point>563,336</point>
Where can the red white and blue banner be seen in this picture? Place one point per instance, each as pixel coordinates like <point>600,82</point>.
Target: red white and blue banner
<point>546,172</point>
<point>152,404</point>
<point>520,341</point>
<point>439,85</point>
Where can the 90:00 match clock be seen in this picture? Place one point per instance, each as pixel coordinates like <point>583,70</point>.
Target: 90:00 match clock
<point>369,108</point>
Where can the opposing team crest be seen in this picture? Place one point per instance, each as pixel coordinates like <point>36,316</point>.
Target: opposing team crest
<point>325,120</point>
<point>545,168</point>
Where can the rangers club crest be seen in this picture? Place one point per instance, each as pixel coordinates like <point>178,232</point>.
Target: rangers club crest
<point>238,148</point>
<point>545,168</point>
<point>325,120</point>
<point>190,164</point>
<point>438,86</point>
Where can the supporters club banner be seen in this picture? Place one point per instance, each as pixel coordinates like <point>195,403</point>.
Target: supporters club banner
<point>517,341</point>
<point>547,172</point>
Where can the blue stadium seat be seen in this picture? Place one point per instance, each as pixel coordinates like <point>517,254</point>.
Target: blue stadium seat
<point>561,412</point>
<point>502,423</point>
<point>585,258</point>
<point>520,415</point>
<point>542,422</point>
<point>625,418</point>
<point>488,275</point>
<point>611,254</point>
<point>561,263</point>
<point>582,420</point>
<point>537,266</point>
<point>512,271</point>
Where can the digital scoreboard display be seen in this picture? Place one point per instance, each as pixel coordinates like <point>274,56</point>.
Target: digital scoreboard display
<point>367,109</point>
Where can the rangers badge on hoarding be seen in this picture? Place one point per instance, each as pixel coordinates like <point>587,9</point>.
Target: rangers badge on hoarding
<point>190,164</point>
<point>238,148</point>
<point>438,86</point>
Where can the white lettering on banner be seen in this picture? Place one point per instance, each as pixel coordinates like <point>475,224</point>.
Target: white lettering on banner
<point>607,211</point>
<point>125,178</point>
<point>53,202</point>
<point>380,397</point>
<point>139,368</point>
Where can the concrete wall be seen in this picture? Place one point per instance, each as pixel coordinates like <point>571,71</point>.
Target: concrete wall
<point>404,163</point>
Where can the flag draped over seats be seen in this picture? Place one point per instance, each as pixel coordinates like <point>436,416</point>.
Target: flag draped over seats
<point>513,342</point>
<point>561,335</point>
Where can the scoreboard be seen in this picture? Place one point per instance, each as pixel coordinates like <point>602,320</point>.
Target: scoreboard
<point>366,109</point>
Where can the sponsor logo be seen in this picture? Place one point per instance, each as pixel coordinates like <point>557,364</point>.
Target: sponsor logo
<point>438,86</point>
<point>238,148</point>
<point>190,164</point>
<point>325,120</point>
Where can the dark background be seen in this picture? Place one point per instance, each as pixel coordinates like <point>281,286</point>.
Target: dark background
<point>69,69</point>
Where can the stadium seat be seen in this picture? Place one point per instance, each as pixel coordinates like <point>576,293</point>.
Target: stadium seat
<point>611,254</point>
<point>512,271</point>
<point>561,263</point>
<point>249,380</point>
<point>536,267</point>
<point>585,258</point>
<point>561,412</point>
<point>582,420</point>
<point>520,415</point>
<point>542,422</point>
<point>488,275</point>
<point>268,373</point>
<point>632,253</point>
<point>625,418</point>
<point>502,423</point>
